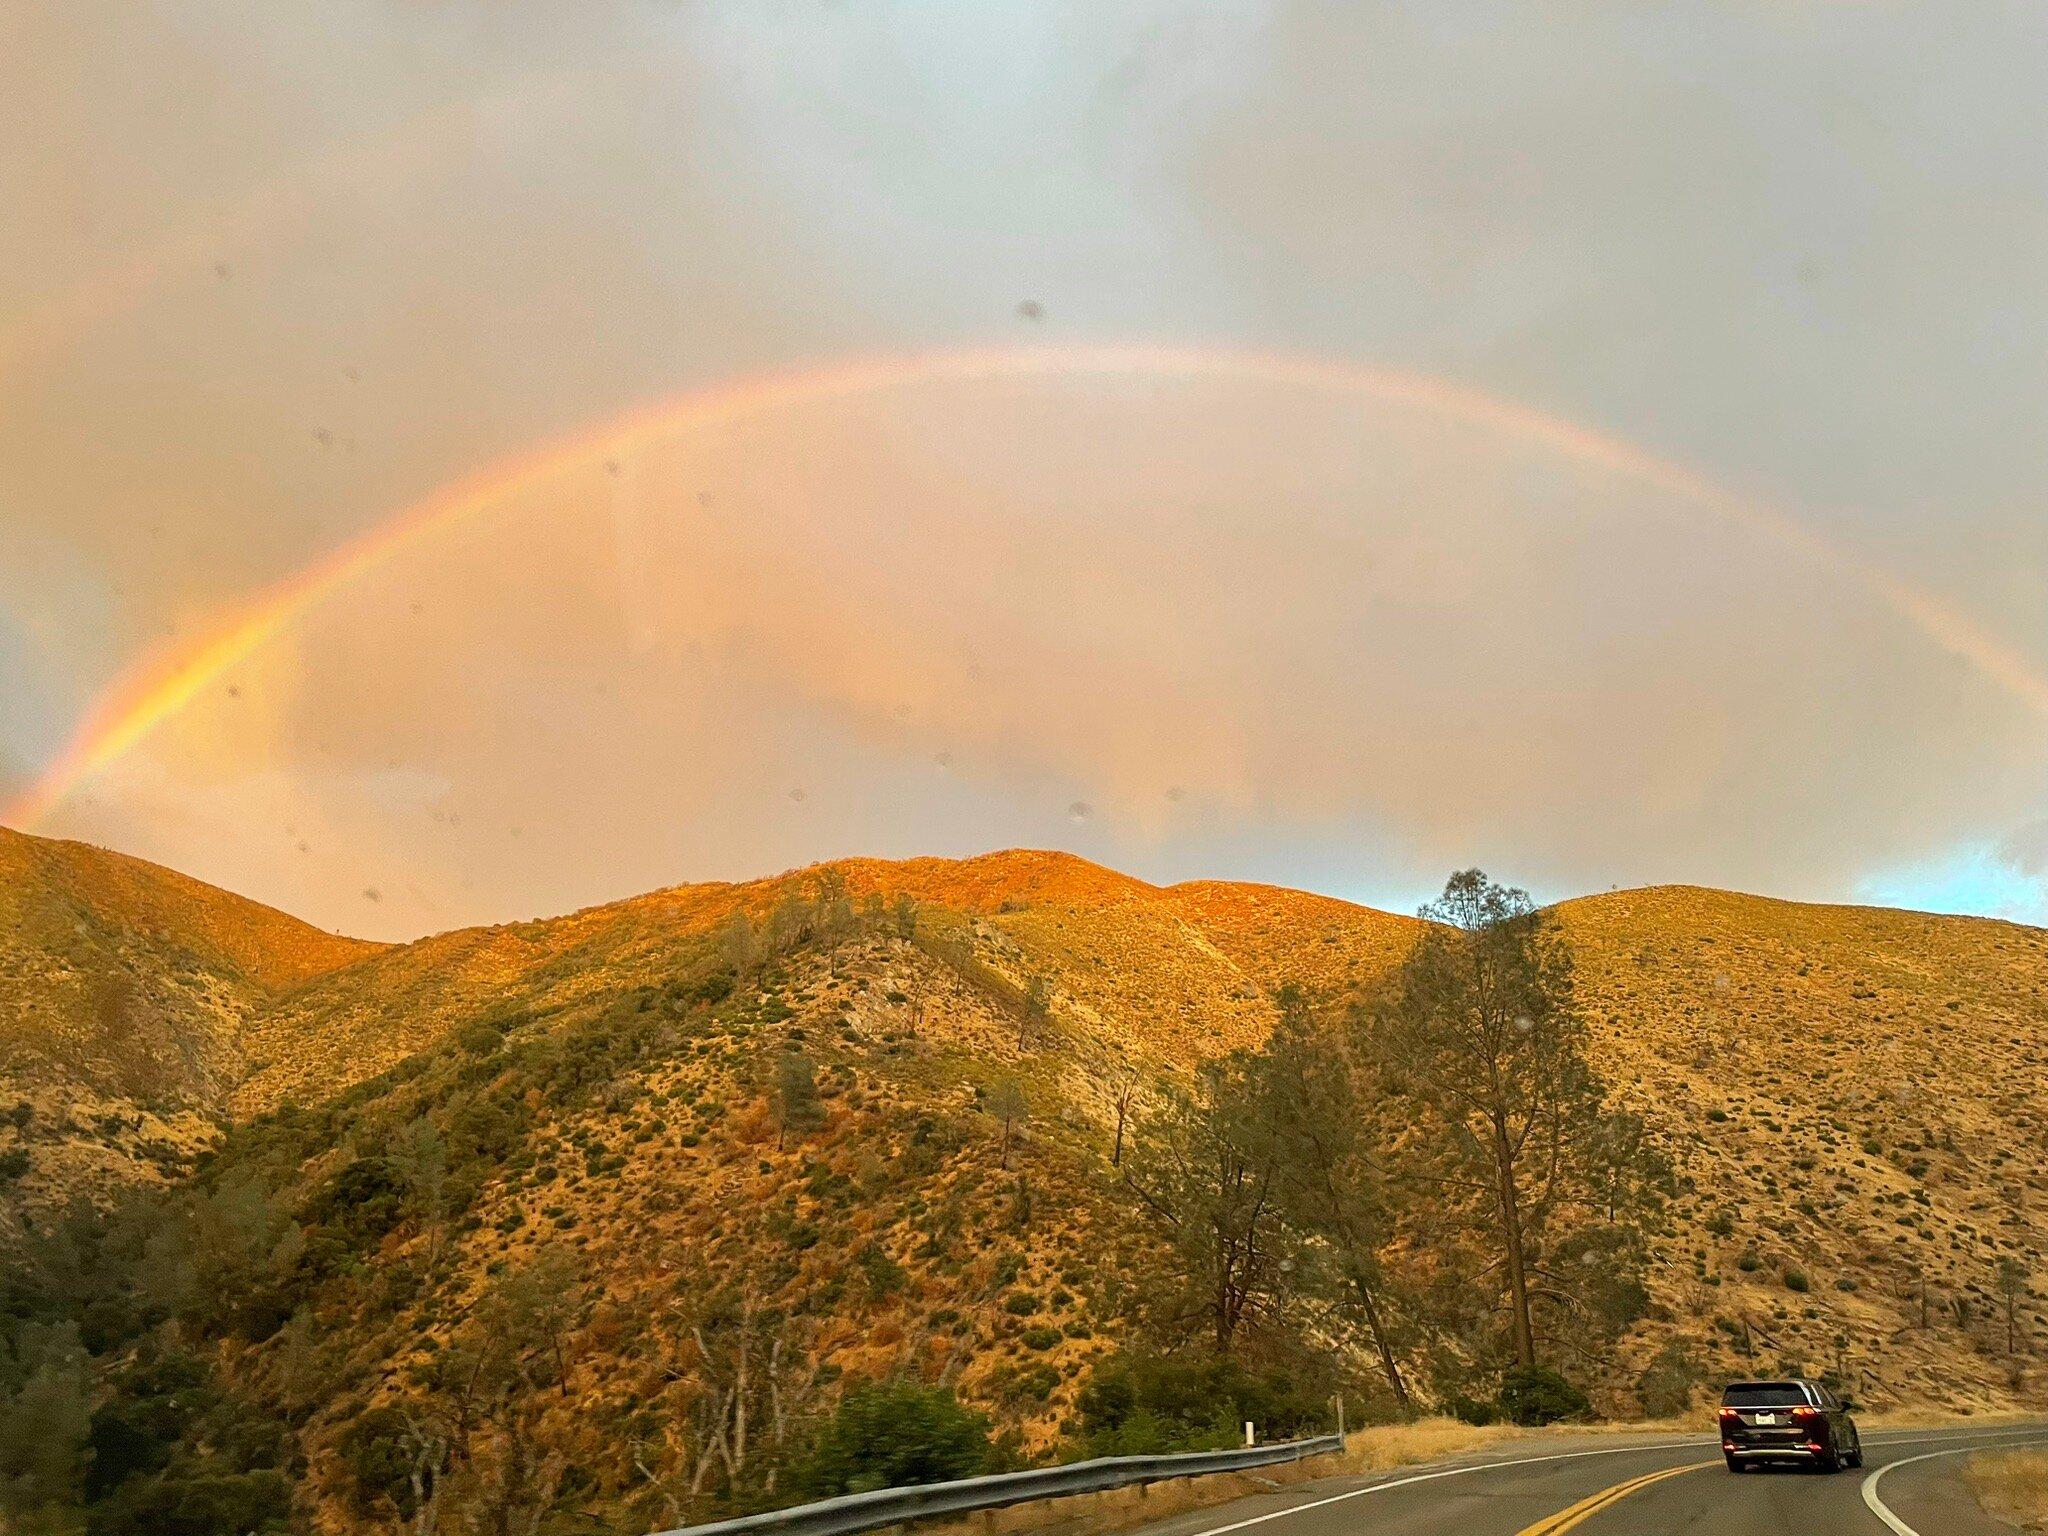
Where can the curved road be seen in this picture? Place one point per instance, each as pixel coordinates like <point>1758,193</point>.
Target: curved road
<point>1635,1486</point>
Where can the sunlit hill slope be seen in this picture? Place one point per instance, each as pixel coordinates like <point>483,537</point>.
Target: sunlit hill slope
<point>1853,1099</point>
<point>125,990</point>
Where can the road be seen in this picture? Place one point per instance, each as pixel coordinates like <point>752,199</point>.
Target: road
<point>1648,1486</point>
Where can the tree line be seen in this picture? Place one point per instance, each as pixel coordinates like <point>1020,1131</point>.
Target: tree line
<point>1433,1176</point>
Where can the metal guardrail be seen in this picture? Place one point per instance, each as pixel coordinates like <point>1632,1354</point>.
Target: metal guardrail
<point>893,1506</point>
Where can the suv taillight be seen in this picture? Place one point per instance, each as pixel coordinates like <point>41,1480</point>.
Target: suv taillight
<point>1805,1411</point>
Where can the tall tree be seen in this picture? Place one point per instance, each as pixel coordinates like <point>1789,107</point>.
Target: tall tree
<point>2011,1278</point>
<point>1035,1012</point>
<point>1204,1166</point>
<point>1332,1177</point>
<point>1478,1037</point>
<point>1006,1103</point>
<point>796,1097</point>
<point>1123,1094</point>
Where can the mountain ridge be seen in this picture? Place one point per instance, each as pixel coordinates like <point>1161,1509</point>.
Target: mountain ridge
<point>1849,1092</point>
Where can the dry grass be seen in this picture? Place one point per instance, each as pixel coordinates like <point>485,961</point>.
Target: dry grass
<point>1925,1416</point>
<point>1123,1509</point>
<point>2012,1485</point>
<point>1386,1446</point>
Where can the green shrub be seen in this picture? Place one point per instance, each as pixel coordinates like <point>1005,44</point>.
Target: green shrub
<point>362,1202</point>
<point>255,1503</point>
<point>883,1274</point>
<point>1472,1410</point>
<point>377,1452</point>
<point>1142,1404</point>
<point>1666,1387</point>
<point>1535,1394</point>
<point>480,1039</point>
<point>891,1434</point>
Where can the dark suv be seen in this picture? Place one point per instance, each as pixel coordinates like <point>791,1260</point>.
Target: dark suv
<point>1790,1421</point>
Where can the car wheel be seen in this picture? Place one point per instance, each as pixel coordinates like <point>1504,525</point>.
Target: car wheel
<point>1735,1463</point>
<point>1856,1456</point>
<point>1831,1462</point>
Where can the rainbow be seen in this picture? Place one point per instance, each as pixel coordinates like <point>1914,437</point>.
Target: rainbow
<point>157,688</point>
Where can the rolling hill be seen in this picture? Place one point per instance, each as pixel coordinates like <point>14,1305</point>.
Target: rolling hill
<point>1853,1099</point>
<point>125,989</point>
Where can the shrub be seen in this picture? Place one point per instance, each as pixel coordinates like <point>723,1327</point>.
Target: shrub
<point>883,1274</point>
<point>1666,1387</point>
<point>362,1202</point>
<point>481,1038</point>
<point>1472,1410</point>
<point>1795,1280</point>
<point>1140,1404</point>
<point>1535,1394</point>
<point>204,1504</point>
<point>891,1434</point>
<point>376,1450</point>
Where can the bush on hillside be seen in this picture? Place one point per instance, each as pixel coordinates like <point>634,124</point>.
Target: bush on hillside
<point>1141,1404</point>
<point>891,1434</point>
<point>377,1449</point>
<point>1666,1386</point>
<point>1472,1410</point>
<point>1535,1394</point>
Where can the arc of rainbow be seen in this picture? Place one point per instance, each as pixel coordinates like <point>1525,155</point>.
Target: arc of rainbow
<point>151,693</point>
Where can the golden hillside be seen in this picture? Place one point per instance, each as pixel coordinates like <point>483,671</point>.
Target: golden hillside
<point>1859,1100</point>
<point>124,989</point>
<point>1164,973</point>
<point>1852,1097</point>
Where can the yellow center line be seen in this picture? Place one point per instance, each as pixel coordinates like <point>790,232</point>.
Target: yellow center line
<point>1567,1519</point>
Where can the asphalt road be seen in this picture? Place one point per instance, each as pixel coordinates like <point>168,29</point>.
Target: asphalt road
<point>1610,1486</point>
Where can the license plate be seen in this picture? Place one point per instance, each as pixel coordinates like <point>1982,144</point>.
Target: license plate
<point>1767,1418</point>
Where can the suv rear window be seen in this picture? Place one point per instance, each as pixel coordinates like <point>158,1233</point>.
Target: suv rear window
<point>1763,1394</point>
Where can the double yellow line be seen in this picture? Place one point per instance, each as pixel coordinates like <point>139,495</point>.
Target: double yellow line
<point>1566,1519</point>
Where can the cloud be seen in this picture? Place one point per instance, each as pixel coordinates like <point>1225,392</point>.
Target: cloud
<point>281,278</point>
<point>1986,880</point>
<point>1210,613</point>
<point>2026,850</point>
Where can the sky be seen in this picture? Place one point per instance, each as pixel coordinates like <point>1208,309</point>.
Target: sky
<point>467,462</point>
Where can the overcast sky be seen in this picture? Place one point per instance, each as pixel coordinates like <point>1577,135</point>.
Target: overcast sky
<point>1322,443</point>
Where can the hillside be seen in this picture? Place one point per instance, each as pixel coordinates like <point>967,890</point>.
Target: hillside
<point>1852,1099</point>
<point>1166,974</point>
<point>124,992</point>
<point>1859,1099</point>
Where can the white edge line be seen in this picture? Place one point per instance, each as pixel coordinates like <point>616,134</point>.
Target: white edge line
<point>1883,1511</point>
<point>1605,1450</point>
<point>1430,1477</point>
